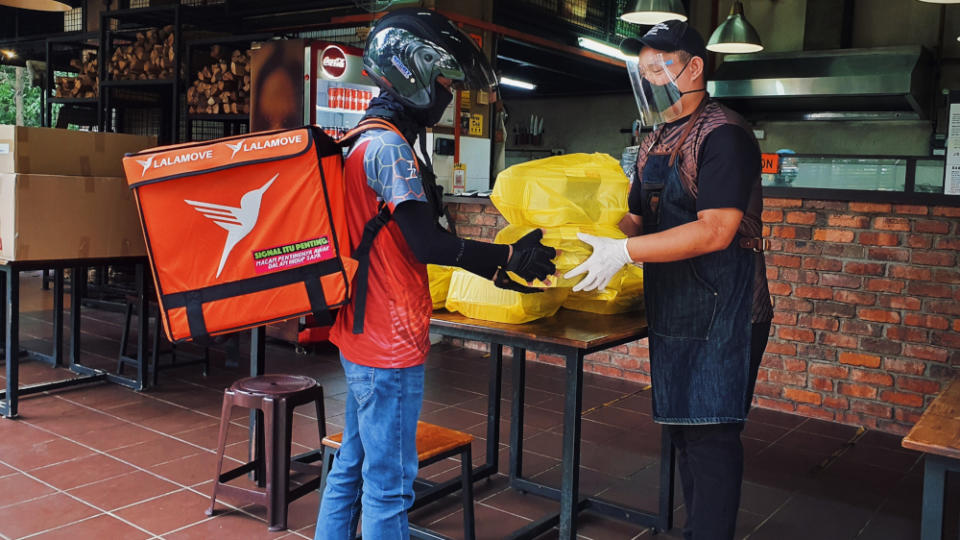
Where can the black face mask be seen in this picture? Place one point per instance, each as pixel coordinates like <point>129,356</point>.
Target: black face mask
<point>431,115</point>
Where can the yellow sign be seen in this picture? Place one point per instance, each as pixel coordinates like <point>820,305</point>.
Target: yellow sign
<point>476,125</point>
<point>465,100</point>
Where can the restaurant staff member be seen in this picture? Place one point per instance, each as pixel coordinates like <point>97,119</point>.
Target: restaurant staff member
<point>694,222</point>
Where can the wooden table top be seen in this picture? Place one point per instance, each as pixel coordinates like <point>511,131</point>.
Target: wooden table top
<point>569,328</point>
<point>938,431</point>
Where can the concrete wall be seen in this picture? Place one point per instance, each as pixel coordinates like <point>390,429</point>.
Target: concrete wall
<point>578,124</point>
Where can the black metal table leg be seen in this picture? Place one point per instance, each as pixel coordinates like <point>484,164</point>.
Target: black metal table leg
<point>57,316</point>
<point>519,366</point>
<point>570,487</point>
<point>12,341</point>
<point>493,409</point>
<point>143,310</point>
<point>76,284</point>
<point>934,488</point>
<point>3,310</point>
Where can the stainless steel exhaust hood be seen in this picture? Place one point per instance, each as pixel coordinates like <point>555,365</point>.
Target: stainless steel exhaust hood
<point>882,83</point>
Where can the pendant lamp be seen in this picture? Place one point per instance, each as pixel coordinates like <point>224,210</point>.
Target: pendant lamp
<point>735,35</point>
<point>38,5</point>
<point>650,12</point>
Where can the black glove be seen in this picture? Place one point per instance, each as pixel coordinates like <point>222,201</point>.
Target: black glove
<point>531,259</point>
<point>502,280</point>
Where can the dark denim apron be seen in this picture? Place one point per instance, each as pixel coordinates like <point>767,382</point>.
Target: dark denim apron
<point>698,311</point>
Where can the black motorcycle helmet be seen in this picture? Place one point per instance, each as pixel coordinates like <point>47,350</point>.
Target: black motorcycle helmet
<point>409,48</point>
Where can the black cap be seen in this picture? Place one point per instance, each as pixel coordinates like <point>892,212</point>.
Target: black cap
<point>668,36</point>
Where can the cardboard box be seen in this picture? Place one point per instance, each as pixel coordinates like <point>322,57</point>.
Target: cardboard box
<point>30,150</point>
<point>45,217</point>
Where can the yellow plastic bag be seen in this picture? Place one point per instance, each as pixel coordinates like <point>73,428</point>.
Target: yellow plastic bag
<point>624,293</point>
<point>573,251</point>
<point>571,189</point>
<point>479,298</point>
<point>439,277</point>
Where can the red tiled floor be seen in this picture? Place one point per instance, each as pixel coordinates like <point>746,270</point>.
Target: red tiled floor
<point>16,488</point>
<point>157,451</point>
<point>42,454</point>
<point>116,437</point>
<point>123,490</point>
<point>81,471</point>
<point>102,526</point>
<point>229,525</point>
<point>191,470</point>
<point>41,514</point>
<point>804,478</point>
<point>167,513</point>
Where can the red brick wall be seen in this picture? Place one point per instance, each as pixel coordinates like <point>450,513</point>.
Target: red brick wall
<point>866,309</point>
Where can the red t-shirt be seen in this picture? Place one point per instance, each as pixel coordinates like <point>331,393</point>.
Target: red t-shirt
<point>381,166</point>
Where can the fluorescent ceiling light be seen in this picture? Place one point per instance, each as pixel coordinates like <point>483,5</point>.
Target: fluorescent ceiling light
<point>8,53</point>
<point>507,81</point>
<point>602,48</point>
<point>941,1</point>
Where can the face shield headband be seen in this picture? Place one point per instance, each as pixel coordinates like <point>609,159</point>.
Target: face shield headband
<point>655,89</point>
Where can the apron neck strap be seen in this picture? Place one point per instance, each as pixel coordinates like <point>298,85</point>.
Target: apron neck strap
<point>686,130</point>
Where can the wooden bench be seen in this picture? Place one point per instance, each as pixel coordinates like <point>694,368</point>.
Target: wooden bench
<point>937,434</point>
<point>434,443</point>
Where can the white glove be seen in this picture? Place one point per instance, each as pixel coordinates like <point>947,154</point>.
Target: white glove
<point>609,256</point>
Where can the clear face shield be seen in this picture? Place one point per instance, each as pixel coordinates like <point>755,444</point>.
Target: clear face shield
<point>655,88</point>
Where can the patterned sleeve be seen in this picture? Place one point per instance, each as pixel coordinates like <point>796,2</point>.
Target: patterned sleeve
<point>392,169</point>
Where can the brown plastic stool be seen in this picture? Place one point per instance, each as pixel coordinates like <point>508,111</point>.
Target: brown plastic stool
<point>434,443</point>
<point>275,396</point>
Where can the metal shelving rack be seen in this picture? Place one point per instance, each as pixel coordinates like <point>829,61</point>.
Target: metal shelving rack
<point>59,51</point>
<point>227,124</point>
<point>161,93</point>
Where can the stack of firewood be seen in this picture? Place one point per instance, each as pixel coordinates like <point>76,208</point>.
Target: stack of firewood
<point>222,87</point>
<point>84,84</point>
<point>152,55</point>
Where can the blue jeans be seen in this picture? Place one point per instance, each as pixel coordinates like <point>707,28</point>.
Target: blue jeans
<point>376,464</point>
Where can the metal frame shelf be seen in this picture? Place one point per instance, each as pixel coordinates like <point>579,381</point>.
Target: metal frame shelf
<point>76,41</point>
<point>168,90</point>
<point>233,124</point>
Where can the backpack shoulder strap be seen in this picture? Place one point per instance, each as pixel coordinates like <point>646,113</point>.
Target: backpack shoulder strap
<point>366,124</point>
<point>370,230</point>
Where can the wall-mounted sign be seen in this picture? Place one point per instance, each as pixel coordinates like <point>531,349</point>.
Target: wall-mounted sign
<point>333,62</point>
<point>769,163</point>
<point>476,125</point>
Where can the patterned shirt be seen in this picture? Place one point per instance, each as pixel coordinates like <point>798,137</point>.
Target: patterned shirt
<point>381,167</point>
